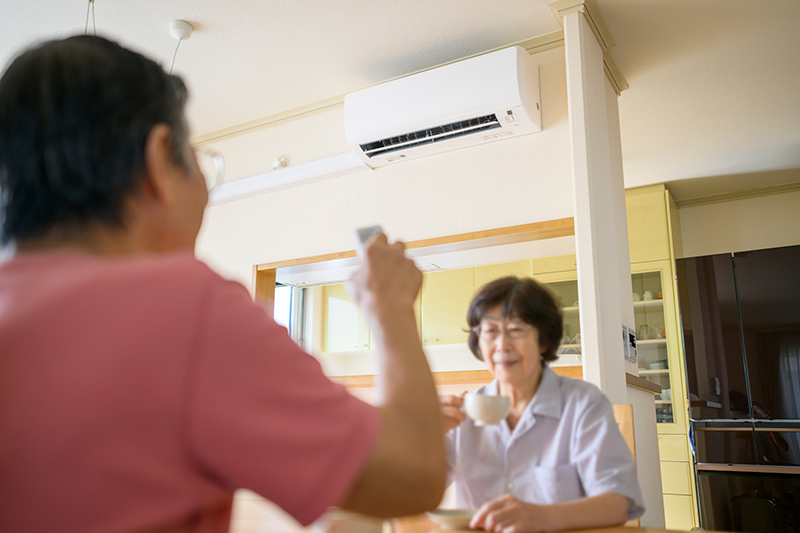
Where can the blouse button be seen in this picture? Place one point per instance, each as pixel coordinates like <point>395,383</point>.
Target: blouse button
<point>510,486</point>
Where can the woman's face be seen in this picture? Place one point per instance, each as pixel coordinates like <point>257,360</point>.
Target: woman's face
<point>510,348</point>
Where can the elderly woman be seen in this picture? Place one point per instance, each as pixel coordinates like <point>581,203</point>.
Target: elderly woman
<point>558,461</point>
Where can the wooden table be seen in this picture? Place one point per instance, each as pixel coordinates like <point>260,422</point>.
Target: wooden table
<point>253,514</point>
<point>421,524</point>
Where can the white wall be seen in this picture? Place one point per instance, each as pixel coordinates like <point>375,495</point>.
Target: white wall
<point>740,225</point>
<point>514,181</point>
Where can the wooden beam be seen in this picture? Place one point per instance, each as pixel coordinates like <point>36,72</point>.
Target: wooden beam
<point>452,378</point>
<point>548,229</point>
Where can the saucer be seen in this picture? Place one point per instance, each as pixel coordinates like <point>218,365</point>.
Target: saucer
<point>452,518</point>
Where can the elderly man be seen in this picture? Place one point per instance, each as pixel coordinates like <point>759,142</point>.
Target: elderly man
<point>139,389</point>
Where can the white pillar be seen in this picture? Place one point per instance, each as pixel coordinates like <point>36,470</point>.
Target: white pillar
<point>601,239</point>
<point>601,234</point>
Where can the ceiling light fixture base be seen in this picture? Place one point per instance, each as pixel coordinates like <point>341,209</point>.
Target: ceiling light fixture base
<point>180,29</point>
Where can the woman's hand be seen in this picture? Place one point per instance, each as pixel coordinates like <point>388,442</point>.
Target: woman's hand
<point>507,514</point>
<point>452,415</point>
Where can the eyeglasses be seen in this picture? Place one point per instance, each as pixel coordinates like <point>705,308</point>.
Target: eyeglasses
<point>515,331</point>
<point>211,165</point>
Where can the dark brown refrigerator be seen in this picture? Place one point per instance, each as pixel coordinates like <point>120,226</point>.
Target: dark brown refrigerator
<point>740,315</point>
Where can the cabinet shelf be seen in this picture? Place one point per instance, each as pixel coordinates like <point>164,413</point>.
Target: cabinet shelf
<point>648,303</point>
<point>650,342</point>
<point>653,372</point>
<point>571,311</point>
<point>569,349</point>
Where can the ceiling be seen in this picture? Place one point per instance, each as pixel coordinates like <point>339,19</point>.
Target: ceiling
<point>713,84</point>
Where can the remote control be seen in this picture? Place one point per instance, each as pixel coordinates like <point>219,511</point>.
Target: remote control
<point>362,237</point>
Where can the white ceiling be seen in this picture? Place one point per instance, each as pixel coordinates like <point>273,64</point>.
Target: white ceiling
<point>713,92</point>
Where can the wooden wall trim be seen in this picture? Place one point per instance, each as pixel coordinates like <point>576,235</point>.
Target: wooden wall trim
<point>451,378</point>
<point>265,287</point>
<point>548,229</point>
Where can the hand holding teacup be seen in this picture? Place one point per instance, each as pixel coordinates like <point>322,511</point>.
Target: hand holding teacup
<point>483,409</point>
<point>452,412</point>
<point>487,408</point>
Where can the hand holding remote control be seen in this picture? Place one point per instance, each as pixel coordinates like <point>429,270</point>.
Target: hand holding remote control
<point>363,236</point>
<point>387,282</point>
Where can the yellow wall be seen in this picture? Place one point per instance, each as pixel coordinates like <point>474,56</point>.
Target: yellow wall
<point>505,183</point>
<point>739,225</point>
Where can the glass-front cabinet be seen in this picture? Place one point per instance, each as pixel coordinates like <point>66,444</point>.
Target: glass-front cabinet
<point>651,335</point>
<point>567,293</point>
<point>658,340</point>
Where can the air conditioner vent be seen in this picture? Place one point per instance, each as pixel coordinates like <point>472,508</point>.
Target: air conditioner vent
<point>431,135</point>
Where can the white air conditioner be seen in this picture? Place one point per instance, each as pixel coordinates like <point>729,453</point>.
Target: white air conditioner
<point>478,100</point>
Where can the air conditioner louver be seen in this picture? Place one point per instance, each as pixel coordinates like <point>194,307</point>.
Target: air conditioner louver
<point>445,108</point>
<point>431,135</point>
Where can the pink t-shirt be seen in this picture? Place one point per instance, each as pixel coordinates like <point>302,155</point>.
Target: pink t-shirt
<point>137,394</point>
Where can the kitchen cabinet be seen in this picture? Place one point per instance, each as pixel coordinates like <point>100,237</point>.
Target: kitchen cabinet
<point>551,265</point>
<point>653,329</point>
<point>566,292</point>
<point>445,297</point>
<point>344,327</point>
<point>649,237</point>
<point>654,240</point>
<point>487,273</point>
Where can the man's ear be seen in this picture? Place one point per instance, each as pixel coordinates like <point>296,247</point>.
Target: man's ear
<point>159,168</point>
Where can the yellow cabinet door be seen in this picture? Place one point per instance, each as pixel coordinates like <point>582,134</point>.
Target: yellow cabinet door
<point>675,477</point>
<point>556,263</point>
<point>648,233</point>
<point>485,274</point>
<point>679,512</point>
<point>344,326</point>
<point>446,296</point>
<point>674,448</point>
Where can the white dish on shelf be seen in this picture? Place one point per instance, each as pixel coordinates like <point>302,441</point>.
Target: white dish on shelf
<point>452,518</point>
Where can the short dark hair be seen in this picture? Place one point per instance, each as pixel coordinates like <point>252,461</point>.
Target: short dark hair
<point>523,298</point>
<point>74,119</point>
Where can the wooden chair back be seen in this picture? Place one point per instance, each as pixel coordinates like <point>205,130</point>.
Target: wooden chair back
<point>623,414</point>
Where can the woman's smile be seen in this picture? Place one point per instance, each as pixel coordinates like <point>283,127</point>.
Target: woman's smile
<point>504,362</point>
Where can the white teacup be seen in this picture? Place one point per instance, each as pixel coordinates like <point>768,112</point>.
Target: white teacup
<point>337,520</point>
<point>486,409</point>
<point>647,296</point>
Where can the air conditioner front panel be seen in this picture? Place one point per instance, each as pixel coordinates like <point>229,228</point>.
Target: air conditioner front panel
<point>443,95</point>
<point>437,110</point>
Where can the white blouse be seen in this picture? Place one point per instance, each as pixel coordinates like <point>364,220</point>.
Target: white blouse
<point>566,446</point>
